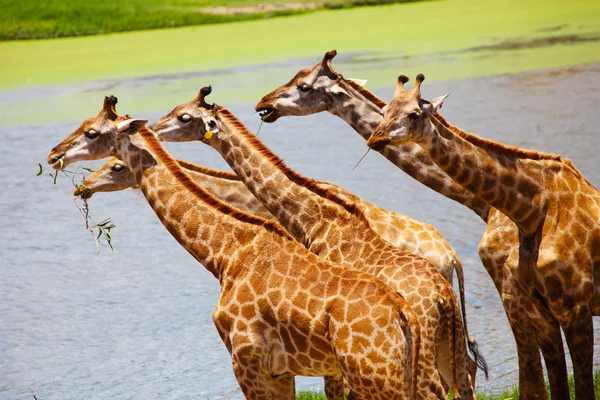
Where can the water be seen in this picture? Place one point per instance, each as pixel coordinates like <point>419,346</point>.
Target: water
<point>135,323</point>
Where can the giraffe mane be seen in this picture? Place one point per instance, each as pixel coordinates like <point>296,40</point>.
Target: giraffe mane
<point>367,93</point>
<point>208,171</point>
<point>499,147</point>
<point>308,183</point>
<point>171,164</point>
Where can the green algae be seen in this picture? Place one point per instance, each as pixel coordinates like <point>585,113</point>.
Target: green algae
<point>443,39</point>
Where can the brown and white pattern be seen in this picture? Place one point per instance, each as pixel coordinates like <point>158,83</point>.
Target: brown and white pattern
<point>555,254</point>
<point>282,310</point>
<point>336,230</point>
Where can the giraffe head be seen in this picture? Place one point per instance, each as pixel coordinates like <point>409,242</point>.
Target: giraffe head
<point>406,117</point>
<point>96,137</point>
<point>114,175</point>
<point>311,91</point>
<point>189,121</point>
<point>193,121</point>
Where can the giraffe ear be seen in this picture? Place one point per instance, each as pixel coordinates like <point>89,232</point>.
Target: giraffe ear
<point>436,103</point>
<point>210,126</point>
<point>131,126</point>
<point>337,89</point>
<point>360,82</point>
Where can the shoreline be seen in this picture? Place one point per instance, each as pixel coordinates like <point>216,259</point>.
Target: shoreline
<point>69,102</point>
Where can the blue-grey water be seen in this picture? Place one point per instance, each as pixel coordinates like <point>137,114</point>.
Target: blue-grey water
<point>136,323</point>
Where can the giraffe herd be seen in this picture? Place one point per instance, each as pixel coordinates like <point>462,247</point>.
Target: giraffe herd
<point>316,281</point>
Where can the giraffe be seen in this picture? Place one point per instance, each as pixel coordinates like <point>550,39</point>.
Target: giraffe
<point>320,88</point>
<point>556,210</point>
<point>314,90</point>
<point>114,175</point>
<point>282,311</point>
<point>335,230</point>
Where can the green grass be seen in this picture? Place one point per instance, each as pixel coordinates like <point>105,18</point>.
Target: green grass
<point>508,394</point>
<point>34,19</point>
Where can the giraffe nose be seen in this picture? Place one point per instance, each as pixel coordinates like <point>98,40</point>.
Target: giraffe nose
<point>377,141</point>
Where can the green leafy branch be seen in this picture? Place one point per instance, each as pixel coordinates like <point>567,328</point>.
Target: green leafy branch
<point>99,230</point>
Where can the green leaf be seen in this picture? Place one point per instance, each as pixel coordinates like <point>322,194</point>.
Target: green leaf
<point>88,169</point>
<point>41,170</point>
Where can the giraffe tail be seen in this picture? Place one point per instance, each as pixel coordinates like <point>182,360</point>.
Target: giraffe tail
<point>473,346</point>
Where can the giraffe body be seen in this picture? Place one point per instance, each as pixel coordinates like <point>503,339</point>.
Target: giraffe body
<point>337,231</point>
<point>282,311</point>
<point>556,210</point>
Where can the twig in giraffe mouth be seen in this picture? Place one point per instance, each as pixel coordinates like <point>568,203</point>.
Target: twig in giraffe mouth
<point>260,126</point>
<point>361,159</point>
<point>99,231</point>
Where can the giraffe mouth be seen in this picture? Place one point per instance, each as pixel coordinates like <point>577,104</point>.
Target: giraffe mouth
<point>378,142</point>
<point>57,162</point>
<point>83,191</point>
<point>268,114</point>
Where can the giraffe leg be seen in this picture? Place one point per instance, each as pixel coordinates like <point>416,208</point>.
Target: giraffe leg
<point>283,387</point>
<point>548,336</point>
<point>376,373</point>
<point>517,290</point>
<point>579,332</point>
<point>464,366</point>
<point>254,383</point>
<point>531,375</point>
<point>429,385</point>
<point>334,388</point>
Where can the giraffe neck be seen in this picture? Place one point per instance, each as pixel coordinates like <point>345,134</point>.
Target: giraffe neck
<point>211,231</point>
<point>358,112</point>
<point>363,113</point>
<point>227,187</point>
<point>508,179</point>
<point>301,205</point>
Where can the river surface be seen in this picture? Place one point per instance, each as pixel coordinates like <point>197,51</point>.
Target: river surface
<point>135,322</point>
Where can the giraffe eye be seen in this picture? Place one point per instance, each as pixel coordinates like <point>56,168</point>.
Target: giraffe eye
<point>92,134</point>
<point>185,118</point>
<point>118,167</point>
<point>413,116</point>
<point>304,87</point>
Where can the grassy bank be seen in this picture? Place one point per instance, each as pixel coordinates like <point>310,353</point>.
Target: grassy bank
<point>32,19</point>
<point>509,394</point>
